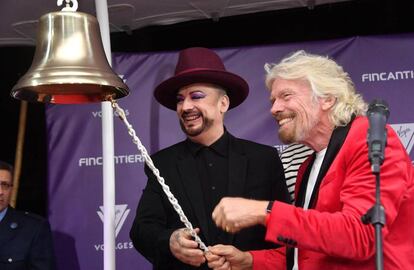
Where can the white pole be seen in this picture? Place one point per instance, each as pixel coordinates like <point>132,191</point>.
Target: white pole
<point>107,149</point>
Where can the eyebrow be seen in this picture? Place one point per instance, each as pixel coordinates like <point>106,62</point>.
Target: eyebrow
<point>197,91</point>
<point>284,90</point>
<point>288,89</point>
<point>6,181</point>
<point>192,92</point>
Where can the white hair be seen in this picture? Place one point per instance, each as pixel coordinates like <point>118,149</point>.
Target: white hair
<point>326,79</point>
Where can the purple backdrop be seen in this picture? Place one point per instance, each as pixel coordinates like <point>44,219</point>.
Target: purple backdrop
<point>380,67</point>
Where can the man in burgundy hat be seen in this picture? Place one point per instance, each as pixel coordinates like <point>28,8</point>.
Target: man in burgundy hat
<point>209,165</point>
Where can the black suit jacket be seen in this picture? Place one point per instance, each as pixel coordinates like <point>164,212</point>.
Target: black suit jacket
<point>25,242</point>
<point>255,172</point>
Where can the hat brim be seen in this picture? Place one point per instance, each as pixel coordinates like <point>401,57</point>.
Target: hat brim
<point>236,87</point>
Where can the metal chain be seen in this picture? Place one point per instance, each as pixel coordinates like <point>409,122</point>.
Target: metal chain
<point>160,179</point>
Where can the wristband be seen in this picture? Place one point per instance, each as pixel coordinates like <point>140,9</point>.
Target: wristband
<point>269,207</point>
<point>268,211</point>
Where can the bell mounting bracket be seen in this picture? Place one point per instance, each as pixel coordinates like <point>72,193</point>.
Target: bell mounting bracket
<point>68,7</point>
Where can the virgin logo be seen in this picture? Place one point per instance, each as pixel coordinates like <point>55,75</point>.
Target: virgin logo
<point>406,133</point>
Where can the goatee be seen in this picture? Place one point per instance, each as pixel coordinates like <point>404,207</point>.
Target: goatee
<point>192,131</point>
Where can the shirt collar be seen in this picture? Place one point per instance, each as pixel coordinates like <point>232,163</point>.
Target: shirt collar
<point>3,213</point>
<point>220,146</point>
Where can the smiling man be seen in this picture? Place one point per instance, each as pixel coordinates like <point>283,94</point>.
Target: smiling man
<point>25,239</point>
<point>210,164</point>
<point>315,103</point>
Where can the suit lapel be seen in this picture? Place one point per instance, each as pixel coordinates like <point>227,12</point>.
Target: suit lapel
<point>335,143</point>
<point>337,139</point>
<point>237,169</point>
<point>191,183</point>
<point>6,228</point>
<point>302,180</point>
<point>237,174</point>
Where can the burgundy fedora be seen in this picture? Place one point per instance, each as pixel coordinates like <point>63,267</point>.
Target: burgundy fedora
<point>201,65</point>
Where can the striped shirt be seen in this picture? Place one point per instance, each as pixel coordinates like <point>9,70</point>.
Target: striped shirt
<point>292,157</point>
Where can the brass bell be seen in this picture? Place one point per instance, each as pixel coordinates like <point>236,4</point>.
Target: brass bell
<point>69,65</point>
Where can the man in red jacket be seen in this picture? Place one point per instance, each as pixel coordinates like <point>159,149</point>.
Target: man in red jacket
<point>314,103</point>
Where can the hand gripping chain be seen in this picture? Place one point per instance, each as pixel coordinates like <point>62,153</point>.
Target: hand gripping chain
<point>160,179</point>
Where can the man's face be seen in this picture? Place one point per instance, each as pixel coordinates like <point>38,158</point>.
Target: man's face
<point>200,109</point>
<point>296,112</point>
<point>5,188</point>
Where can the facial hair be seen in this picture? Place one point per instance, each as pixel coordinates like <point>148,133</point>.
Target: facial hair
<point>287,135</point>
<point>300,129</point>
<point>192,131</point>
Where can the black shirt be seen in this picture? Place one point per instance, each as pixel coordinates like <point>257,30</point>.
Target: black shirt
<point>213,171</point>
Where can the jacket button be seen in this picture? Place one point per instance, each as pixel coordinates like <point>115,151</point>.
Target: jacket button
<point>291,242</point>
<point>281,239</point>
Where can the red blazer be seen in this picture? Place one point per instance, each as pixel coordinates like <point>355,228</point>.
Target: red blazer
<point>331,235</point>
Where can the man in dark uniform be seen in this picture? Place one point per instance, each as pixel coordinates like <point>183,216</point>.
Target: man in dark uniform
<point>25,239</point>
<point>210,164</point>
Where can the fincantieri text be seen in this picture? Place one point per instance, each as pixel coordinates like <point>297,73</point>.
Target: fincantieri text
<point>122,159</point>
<point>388,76</point>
